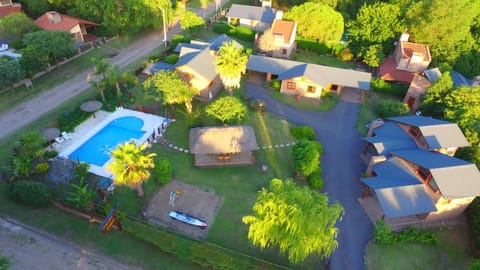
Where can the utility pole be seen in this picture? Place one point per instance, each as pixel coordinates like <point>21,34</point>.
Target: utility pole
<point>164,28</point>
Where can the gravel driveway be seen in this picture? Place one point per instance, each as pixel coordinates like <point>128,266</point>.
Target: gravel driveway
<point>341,166</point>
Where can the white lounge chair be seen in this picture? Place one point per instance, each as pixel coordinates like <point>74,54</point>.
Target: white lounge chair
<point>56,145</point>
<point>59,139</point>
<point>66,136</point>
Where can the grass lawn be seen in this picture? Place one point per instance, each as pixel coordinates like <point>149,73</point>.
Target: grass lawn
<point>315,58</point>
<point>309,104</point>
<point>451,253</point>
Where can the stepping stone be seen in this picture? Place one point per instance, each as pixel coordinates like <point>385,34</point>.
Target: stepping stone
<point>276,145</point>
<point>180,149</point>
<point>269,146</point>
<point>282,145</point>
<point>170,145</point>
<point>175,147</point>
<point>264,147</point>
<point>186,151</point>
<point>287,144</point>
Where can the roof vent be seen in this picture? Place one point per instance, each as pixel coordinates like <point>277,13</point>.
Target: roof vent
<point>404,37</point>
<point>54,17</point>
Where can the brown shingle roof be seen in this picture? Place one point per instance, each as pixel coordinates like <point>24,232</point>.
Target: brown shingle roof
<point>409,48</point>
<point>66,23</point>
<point>222,140</point>
<point>283,28</point>
<point>388,72</point>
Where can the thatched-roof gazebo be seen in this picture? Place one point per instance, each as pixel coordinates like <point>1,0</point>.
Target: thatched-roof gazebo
<point>219,146</point>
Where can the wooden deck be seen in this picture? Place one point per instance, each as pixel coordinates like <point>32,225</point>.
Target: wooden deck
<point>215,161</point>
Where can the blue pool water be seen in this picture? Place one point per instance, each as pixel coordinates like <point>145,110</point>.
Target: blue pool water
<point>97,149</point>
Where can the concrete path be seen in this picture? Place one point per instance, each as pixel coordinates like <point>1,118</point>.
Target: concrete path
<point>29,111</point>
<point>341,166</point>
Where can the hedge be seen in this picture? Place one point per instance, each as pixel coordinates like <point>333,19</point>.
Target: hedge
<point>69,120</point>
<point>303,133</point>
<point>384,235</point>
<point>30,193</point>
<point>223,28</point>
<point>313,45</point>
<point>245,33</point>
<point>393,89</point>
<point>241,32</point>
<point>389,108</point>
<point>204,254</point>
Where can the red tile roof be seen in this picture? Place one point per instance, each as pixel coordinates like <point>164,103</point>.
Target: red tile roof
<point>4,11</point>
<point>65,24</point>
<point>388,72</point>
<point>284,28</point>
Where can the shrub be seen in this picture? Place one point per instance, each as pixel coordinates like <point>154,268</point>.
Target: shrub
<point>393,89</point>
<point>474,218</point>
<point>171,59</point>
<point>389,108</point>
<point>42,167</point>
<point>179,39</point>
<point>195,119</point>
<point>384,235</point>
<point>345,55</point>
<point>315,179</point>
<point>276,84</point>
<point>69,120</point>
<point>155,58</point>
<point>163,170</point>
<point>305,157</point>
<point>303,133</point>
<point>313,45</point>
<point>50,154</point>
<point>223,28</point>
<point>474,265</point>
<point>245,33</point>
<point>81,170</point>
<point>30,193</point>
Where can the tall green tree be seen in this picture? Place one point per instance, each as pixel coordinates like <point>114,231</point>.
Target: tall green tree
<point>375,24</point>
<point>317,21</point>
<point>130,166</point>
<point>432,103</point>
<point>231,64</point>
<point>439,24</point>
<point>10,72</point>
<point>297,220</point>
<point>116,77</point>
<point>15,25</point>
<point>101,67</point>
<point>124,15</point>
<point>169,88</point>
<point>374,55</point>
<point>55,44</point>
<point>191,22</point>
<point>467,63</point>
<point>227,109</point>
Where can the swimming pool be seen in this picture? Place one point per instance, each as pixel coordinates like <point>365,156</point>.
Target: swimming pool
<point>96,150</point>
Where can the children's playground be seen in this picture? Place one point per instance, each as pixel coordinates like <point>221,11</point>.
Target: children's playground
<point>191,200</point>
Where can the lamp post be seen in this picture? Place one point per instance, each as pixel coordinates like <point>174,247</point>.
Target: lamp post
<point>164,28</point>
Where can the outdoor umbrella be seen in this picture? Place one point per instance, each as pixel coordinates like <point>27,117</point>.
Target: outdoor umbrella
<point>50,133</point>
<point>91,106</point>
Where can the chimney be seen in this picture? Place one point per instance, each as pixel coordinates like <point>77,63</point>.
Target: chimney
<point>374,160</point>
<point>476,81</point>
<point>404,37</point>
<point>279,15</point>
<point>54,17</point>
<point>266,3</point>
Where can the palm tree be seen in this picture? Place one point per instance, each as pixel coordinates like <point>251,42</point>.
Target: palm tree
<point>101,67</point>
<point>231,64</point>
<point>116,77</point>
<point>130,165</point>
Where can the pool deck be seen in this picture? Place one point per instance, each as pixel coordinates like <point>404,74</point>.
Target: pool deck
<point>91,126</point>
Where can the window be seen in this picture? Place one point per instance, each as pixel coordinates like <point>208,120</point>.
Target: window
<point>284,51</point>
<point>311,89</point>
<point>291,85</point>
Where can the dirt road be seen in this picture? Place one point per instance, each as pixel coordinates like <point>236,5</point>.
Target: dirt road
<point>33,249</point>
